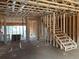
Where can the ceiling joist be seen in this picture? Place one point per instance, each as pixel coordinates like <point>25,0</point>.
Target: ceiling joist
<point>38,7</point>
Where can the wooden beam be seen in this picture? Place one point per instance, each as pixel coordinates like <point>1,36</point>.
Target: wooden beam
<point>70,26</point>
<point>54,19</point>
<point>62,6</point>
<point>39,29</point>
<point>42,28</point>
<point>78,28</point>
<point>58,20</point>
<point>21,8</point>
<point>61,22</point>
<point>64,22</point>
<point>47,21</point>
<point>50,28</point>
<point>74,27</point>
<point>13,6</point>
<point>72,2</point>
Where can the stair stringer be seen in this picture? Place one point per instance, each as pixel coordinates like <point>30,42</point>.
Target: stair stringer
<point>63,47</point>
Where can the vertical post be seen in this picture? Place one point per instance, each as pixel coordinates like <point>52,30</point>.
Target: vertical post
<point>77,28</point>
<point>47,27</point>
<point>61,22</point>
<point>56,25</point>
<point>45,19</point>
<point>67,23</point>
<point>50,29</point>
<point>58,20</point>
<point>47,22</point>
<point>70,26</point>
<point>42,26</point>
<point>64,23</point>
<point>74,27</point>
<point>39,29</point>
<point>54,19</point>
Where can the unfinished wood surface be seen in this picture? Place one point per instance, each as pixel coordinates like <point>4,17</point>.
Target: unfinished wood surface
<point>47,21</point>
<point>70,26</point>
<point>64,22</point>
<point>50,29</point>
<point>74,27</point>
<point>39,30</point>
<point>58,20</point>
<point>50,22</point>
<point>61,22</point>
<point>78,28</point>
<point>42,29</point>
<point>54,20</point>
<point>67,23</point>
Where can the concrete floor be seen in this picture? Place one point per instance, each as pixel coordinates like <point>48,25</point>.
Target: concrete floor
<point>38,50</point>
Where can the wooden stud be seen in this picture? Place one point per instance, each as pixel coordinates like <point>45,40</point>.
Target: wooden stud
<point>70,26</point>
<point>39,24</point>
<point>64,22</point>
<point>50,29</point>
<point>78,28</point>
<point>47,21</point>
<point>54,19</point>
<point>42,29</point>
<point>67,23</point>
<point>61,22</point>
<point>74,27</point>
<point>58,20</point>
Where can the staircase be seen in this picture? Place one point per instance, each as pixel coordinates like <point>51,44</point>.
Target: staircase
<point>65,42</point>
<point>62,39</point>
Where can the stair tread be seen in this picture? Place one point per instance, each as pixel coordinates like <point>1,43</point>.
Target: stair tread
<point>69,44</point>
<point>64,38</point>
<point>68,49</point>
<point>71,47</point>
<point>60,34</point>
